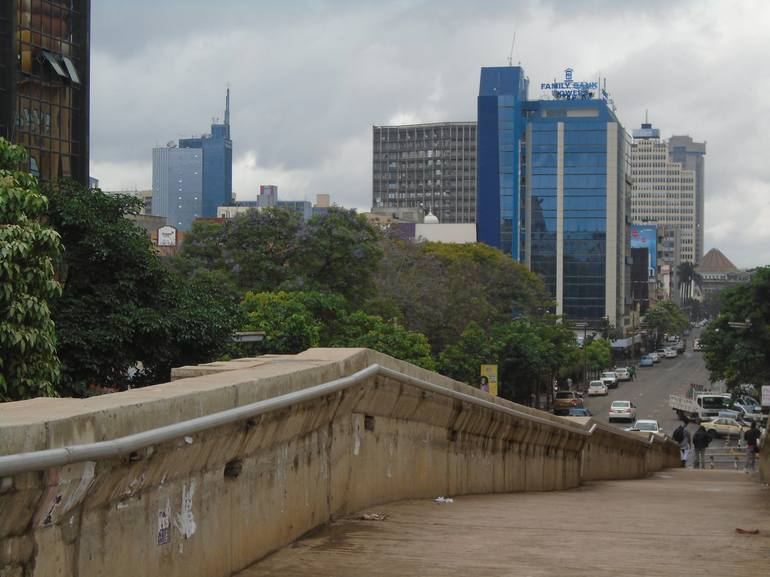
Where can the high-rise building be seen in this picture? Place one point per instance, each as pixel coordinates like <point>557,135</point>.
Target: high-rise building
<point>427,166</point>
<point>553,190</point>
<point>192,179</point>
<point>177,186</point>
<point>45,82</point>
<point>663,191</point>
<point>690,155</point>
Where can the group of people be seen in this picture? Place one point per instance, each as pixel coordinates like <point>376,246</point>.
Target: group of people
<point>699,441</point>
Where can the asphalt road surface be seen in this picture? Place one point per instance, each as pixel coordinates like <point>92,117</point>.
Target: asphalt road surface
<point>652,387</point>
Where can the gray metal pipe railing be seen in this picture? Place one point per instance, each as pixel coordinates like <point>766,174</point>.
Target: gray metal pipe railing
<point>40,460</point>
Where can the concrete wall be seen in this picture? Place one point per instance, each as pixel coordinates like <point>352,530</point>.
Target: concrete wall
<point>212,503</point>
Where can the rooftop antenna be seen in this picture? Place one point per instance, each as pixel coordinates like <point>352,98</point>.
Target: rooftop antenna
<point>227,106</point>
<point>510,55</point>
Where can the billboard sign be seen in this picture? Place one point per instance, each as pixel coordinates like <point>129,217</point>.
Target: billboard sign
<point>569,89</point>
<point>488,381</point>
<point>643,236</point>
<point>166,236</point>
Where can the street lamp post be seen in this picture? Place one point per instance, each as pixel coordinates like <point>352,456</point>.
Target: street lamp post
<point>584,325</point>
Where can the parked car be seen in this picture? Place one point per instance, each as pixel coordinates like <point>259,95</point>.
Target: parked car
<point>564,401</point>
<point>725,427</point>
<point>609,379</point>
<point>622,374</point>
<point>597,388</point>
<point>646,361</point>
<point>654,356</point>
<point>696,345</point>
<point>647,426</point>
<point>622,410</point>
<point>671,353</point>
<point>661,353</point>
<point>579,412</point>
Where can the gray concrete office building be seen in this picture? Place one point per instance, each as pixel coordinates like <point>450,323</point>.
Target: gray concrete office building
<point>426,166</point>
<point>690,155</point>
<point>177,185</point>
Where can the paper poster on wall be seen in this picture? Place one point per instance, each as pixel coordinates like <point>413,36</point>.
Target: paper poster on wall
<point>488,380</point>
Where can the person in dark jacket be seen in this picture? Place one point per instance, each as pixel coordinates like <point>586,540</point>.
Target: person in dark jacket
<point>700,441</point>
<point>752,446</point>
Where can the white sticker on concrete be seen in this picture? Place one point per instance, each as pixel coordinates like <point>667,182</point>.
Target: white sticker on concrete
<point>185,520</point>
<point>164,524</point>
<point>356,436</point>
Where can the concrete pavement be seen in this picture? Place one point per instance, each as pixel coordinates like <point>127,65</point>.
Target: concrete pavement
<point>675,523</point>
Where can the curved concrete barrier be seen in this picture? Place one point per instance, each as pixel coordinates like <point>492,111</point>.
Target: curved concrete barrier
<point>207,474</point>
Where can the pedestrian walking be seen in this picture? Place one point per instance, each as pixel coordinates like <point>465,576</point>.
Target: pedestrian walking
<point>700,441</point>
<point>632,372</point>
<point>682,436</point>
<point>752,446</point>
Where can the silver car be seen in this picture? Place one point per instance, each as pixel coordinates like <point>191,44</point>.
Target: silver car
<point>625,410</point>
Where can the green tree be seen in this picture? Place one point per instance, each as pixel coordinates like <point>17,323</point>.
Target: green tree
<point>363,330</point>
<point>477,283</point>
<point>665,317</point>
<point>598,354</point>
<point>462,360</point>
<point>123,317</point>
<point>740,353</point>
<point>29,366</point>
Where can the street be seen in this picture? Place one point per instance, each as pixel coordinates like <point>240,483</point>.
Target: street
<point>652,387</point>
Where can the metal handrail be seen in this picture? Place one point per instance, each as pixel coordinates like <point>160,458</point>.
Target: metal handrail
<point>40,460</point>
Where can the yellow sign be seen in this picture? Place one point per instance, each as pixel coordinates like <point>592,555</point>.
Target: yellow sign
<point>489,379</point>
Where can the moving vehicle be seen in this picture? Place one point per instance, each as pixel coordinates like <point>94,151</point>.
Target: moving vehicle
<point>609,379</point>
<point>725,427</point>
<point>622,374</point>
<point>670,353</point>
<point>622,410</point>
<point>579,412</point>
<point>647,426</point>
<point>597,388</point>
<point>646,361</point>
<point>702,407</point>
<point>564,401</point>
<point>696,345</point>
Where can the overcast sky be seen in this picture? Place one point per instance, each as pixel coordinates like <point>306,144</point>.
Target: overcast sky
<point>310,78</point>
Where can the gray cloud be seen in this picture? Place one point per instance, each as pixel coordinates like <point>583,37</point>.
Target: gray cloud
<point>310,78</point>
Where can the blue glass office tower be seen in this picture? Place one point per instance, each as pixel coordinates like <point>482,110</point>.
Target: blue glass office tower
<point>190,193</point>
<point>500,124</point>
<point>565,213</point>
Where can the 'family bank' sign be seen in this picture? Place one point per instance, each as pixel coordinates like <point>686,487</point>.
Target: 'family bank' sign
<point>571,89</point>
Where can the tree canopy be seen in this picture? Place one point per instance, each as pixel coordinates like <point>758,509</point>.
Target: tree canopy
<point>29,365</point>
<point>665,317</point>
<point>737,343</point>
<point>122,317</point>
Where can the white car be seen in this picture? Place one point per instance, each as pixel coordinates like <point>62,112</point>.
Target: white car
<point>622,374</point>
<point>654,356</point>
<point>597,388</point>
<point>670,353</point>
<point>696,345</point>
<point>609,379</point>
<point>647,426</point>
<point>622,410</point>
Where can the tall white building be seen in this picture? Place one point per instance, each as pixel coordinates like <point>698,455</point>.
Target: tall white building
<point>663,191</point>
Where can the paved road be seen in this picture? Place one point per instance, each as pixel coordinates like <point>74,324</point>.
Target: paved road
<point>652,387</point>
<point>674,523</point>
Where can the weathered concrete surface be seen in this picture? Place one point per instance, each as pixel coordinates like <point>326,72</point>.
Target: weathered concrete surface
<point>680,522</point>
<point>170,510</point>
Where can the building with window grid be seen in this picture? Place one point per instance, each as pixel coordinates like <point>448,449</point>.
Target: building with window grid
<point>664,191</point>
<point>426,166</point>
<point>44,84</point>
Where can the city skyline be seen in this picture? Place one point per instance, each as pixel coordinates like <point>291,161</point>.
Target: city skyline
<point>320,76</point>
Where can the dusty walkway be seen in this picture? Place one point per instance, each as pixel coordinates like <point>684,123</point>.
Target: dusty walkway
<point>676,523</point>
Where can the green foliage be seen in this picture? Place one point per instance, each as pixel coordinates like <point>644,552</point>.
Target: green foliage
<point>29,366</point>
<point>121,309</point>
<point>527,351</point>
<point>741,354</point>
<point>295,321</point>
<point>598,354</point>
<point>271,249</point>
<point>363,330</point>
<point>439,288</point>
<point>665,317</point>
